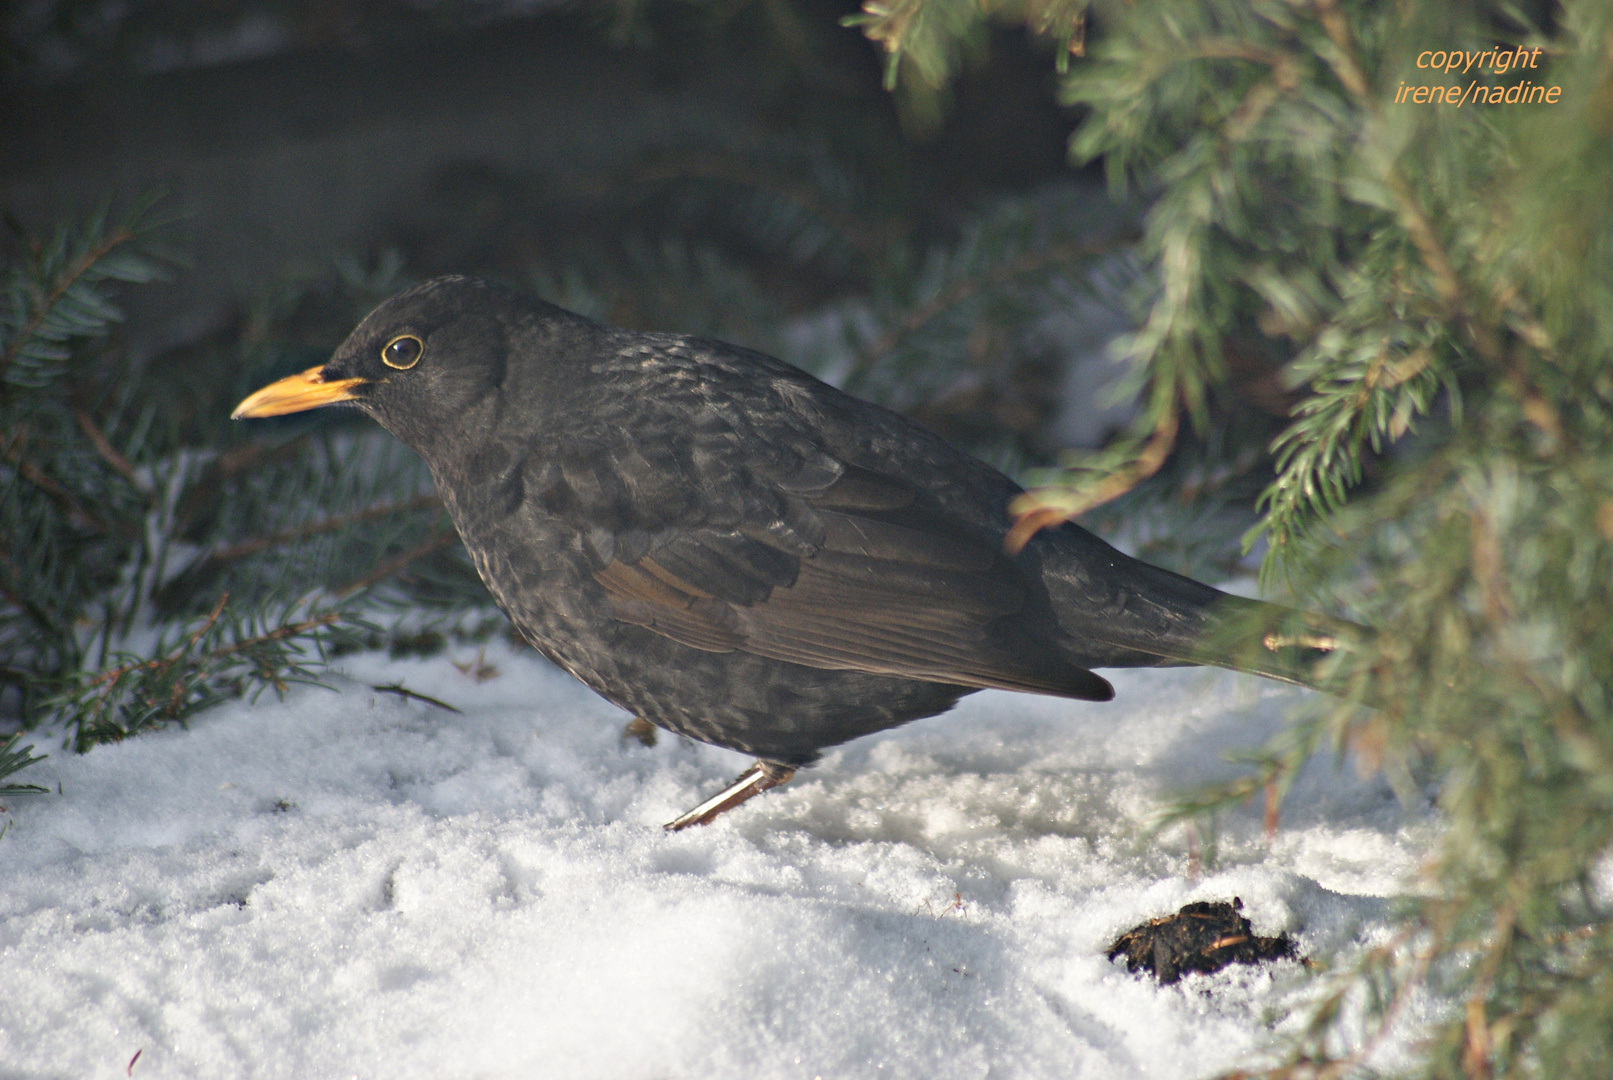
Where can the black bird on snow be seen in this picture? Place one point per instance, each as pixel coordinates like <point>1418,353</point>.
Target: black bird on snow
<point>737,552</point>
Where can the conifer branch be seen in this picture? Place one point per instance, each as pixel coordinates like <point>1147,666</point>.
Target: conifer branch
<point>13,760</point>
<point>104,447</point>
<point>1045,507</point>
<point>1031,262</point>
<point>868,238</point>
<point>36,475</point>
<point>392,566</point>
<point>47,299</point>
<point>243,548</point>
<point>212,662</point>
<point>106,678</point>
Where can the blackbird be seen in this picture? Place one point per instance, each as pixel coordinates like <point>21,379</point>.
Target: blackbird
<point>735,551</point>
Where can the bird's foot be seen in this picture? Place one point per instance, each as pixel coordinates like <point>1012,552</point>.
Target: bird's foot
<point>753,781</point>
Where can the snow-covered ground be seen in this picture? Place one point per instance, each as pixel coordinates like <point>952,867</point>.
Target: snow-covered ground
<point>354,884</point>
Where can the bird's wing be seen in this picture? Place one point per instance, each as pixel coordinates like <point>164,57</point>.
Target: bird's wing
<point>792,554</point>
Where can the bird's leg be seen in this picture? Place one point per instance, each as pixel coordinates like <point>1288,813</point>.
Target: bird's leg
<point>753,781</point>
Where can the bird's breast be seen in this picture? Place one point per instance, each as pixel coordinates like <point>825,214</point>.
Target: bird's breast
<point>532,561</point>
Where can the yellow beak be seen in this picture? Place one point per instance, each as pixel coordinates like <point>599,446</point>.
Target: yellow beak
<point>295,393</point>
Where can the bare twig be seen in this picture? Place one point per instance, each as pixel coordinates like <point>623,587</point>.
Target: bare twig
<point>1045,507</point>
<point>404,692</point>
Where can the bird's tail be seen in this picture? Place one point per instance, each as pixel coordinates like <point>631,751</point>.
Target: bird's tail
<point>1126,613</point>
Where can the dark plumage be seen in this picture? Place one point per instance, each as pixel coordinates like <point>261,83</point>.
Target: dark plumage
<point>737,552</point>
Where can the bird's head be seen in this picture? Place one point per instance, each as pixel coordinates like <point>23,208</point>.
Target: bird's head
<point>419,363</point>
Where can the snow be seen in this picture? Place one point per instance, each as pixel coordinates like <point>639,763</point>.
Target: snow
<point>350,883</point>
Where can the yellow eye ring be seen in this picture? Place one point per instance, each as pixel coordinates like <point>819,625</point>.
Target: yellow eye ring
<point>403,352</point>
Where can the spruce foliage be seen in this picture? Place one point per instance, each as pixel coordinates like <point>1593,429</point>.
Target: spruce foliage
<point>152,560</point>
<point>1438,278</point>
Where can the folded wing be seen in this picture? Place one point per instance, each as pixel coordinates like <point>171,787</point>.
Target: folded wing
<point>854,570</point>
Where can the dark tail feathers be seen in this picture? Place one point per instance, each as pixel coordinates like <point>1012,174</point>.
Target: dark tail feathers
<point>1126,613</point>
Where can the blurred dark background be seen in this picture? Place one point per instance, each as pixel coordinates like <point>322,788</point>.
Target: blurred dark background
<point>597,145</point>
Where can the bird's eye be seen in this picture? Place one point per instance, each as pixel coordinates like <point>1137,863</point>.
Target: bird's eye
<point>402,352</point>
